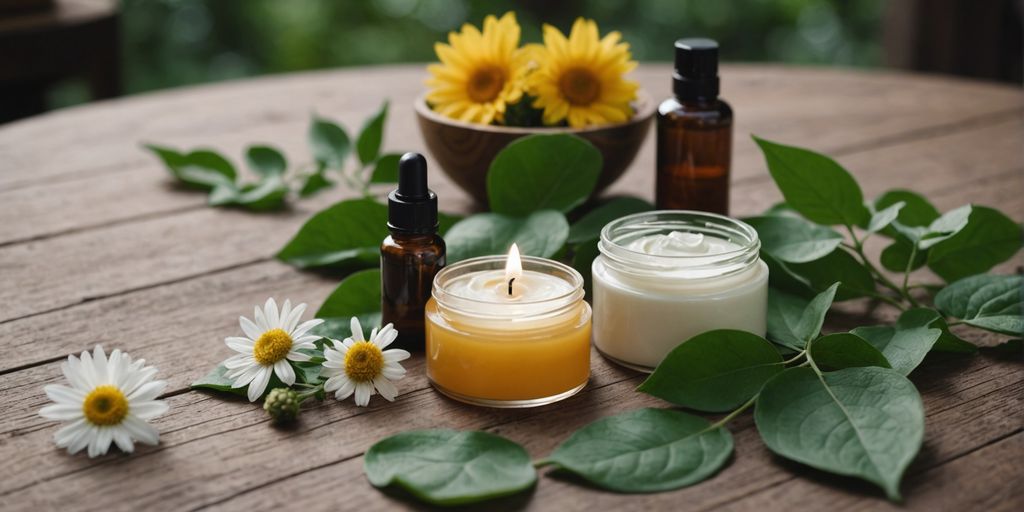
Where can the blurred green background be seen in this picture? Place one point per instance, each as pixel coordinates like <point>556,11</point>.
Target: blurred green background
<point>168,43</point>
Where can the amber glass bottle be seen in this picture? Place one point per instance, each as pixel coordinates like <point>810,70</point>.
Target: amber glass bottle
<point>694,134</point>
<point>412,254</point>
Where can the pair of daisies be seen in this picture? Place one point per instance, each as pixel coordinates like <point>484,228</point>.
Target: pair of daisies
<point>273,341</point>
<point>110,400</point>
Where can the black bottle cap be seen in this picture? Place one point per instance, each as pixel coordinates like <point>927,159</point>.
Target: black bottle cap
<point>696,74</point>
<point>412,207</point>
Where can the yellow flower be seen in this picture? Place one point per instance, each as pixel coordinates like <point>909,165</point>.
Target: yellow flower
<point>581,78</point>
<point>479,73</point>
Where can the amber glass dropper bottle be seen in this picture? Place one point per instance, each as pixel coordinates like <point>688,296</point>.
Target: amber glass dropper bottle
<point>694,134</point>
<point>412,254</point>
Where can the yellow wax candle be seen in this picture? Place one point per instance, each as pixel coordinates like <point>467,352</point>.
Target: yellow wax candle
<point>512,338</point>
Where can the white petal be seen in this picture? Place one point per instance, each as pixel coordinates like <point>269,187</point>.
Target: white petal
<point>99,362</point>
<point>149,409</point>
<point>114,367</point>
<point>303,328</point>
<point>73,373</point>
<point>101,443</point>
<point>292,319</point>
<point>61,412</point>
<point>243,377</point>
<point>260,318</point>
<point>334,355</point>
<point>82,439</point>
<point>336,382</point>
<point>70,432</point>
<point>123,439</point>
<point>250,328</point>
<point>140,430</point>
<point>385,388</point>
<point>357,331</point>
<point>393,373</point>
<point>285,372</point>
<point>239,361</point>
<point>88,370</point>
<point>148,391</point>
<point>297,356</point>
<point>259,383</point>
<point>381,339</point>
<point>396,354</point>
<point>137,378</point>
<point>239,344</point>
<point>64,395</point>
<point>286,310</point>
<point>309,339</point>
<point>363,392</point>
<point>270,310</point>
<point>345,390</point>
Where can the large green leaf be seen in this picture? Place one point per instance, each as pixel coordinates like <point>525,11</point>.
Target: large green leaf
<point>855,279</point>
<point>987,301</point>
<point>542,234</point>
<point>880,219</point>
<point>897,255</point>
<point>793,239</point>
<point>988,239</point>
<point>266,161</point>
<point>359,296</point>
<point>646,450</point>
<point>815,185</point>
<point>203,169</point>
<point>590,225</point>
<point>371,136</point>
<point>794,321</point>
<point>447,467</point>
<point>715,371</point>
<point>269,194</point>
<point>864,422</point>
<point>916,211</point>
<point>329,142</point>
<point>783,278</point>
<point>543,172</point>
<point>845,350</point>
<point>905,343</point>
<point>385,169</point>
<point>942,228</point>
<point>349,232</point>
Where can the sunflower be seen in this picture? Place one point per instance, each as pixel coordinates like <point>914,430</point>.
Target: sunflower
<point>479,73</point>
<point>581,78</point>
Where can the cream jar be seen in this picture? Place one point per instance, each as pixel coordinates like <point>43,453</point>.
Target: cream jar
<point>665,276</point>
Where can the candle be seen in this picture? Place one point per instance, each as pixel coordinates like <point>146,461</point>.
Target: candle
<point>663,277</point>
<point>508,331</point>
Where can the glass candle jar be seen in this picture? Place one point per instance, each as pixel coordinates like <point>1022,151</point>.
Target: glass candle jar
<point>663,277</point>
<point>497,343</point>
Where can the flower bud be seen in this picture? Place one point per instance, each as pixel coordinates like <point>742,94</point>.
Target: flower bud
<point>282,404</point>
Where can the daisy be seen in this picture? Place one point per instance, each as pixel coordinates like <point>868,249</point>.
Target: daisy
<point>271,341</point>
<point>109,400</point>
<point>361,366</point>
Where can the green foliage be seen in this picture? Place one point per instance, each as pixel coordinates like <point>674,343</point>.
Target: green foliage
<point>988,239</point>
<point>446,467</point>
<point>359,296</point>
<point>794,240</point>
<point>266,161</point>
<point>543,172</point>
<point>589,226</point>
<point>646,450</point>
<point>202,169</point>
<point>989,302</point>
<point>542,233</point>
<point>855,279</point>
<point>904,344</point>
<point>715,371</point>
<point>385,170</point>
<point>349,232</point>
<point>845,350</point>
<point>371,136</point>
<point>793,322</point>
<point>329,142</point>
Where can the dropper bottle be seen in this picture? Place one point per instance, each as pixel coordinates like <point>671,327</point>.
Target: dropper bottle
<point>412,254</point>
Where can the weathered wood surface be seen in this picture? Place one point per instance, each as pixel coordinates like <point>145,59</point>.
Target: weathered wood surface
<point>97,246</point>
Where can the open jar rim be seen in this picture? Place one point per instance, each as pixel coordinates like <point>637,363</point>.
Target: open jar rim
<point>482,307</point>
<point>618,234</point>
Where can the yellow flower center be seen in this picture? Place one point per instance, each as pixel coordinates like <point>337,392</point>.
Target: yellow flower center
<point>485,84</point>
<point>363,362</point>
<point>272,347</point>
<point>105,406</point>
<point>579,86</point>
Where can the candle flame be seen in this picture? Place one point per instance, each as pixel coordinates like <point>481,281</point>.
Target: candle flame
<point>513,267</point>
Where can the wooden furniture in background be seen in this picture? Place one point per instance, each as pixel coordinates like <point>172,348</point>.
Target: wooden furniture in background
<point>41,46</point>
<point>97,246</point>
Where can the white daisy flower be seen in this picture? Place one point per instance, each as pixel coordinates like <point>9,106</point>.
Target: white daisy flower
<point>271,341</point>
<point>109,400</point>
<point>361,366</point>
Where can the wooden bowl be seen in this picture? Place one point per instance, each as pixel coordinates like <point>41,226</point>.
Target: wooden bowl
<point>465,150</point>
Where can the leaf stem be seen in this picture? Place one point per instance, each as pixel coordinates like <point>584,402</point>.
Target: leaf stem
<point>858,248</point>
<point>732,415</point>
<point>796,357</point>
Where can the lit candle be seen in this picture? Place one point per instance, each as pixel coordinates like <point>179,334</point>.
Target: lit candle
<point>664,277</point>
<point>508,331</point>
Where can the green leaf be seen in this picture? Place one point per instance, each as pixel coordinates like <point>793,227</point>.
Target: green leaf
<point>989,302</point>
<point>202,169</point>
<point>815,185</point>
<point>359,296</point>
<point>781,208</point>
<point>793,239</point>
<point>447,467</point>
<point>329,142</point>
<point>988,239</point>
<point>864,422</point>
<point>882,218</point>
<point>589,226</point>
<point>349,232</point>
<point>266,161</point>
<point>793,321</point>
<point>845,350</point>
<point>944,227</point>
<point>855,279</point>
<point>916,211</point>
<point>541,234</point>
<point>906,343</point>
<point>269,194</point>
<point>385,170</point>
<point>370,137</point>
<point>896,256</point>
<point>646,450</point>
<point>583,260</point>
<point>783,278</point>
<point>315,182</point>
<point>543,172</point>
<point>216,380</point>
<point>715,371</point>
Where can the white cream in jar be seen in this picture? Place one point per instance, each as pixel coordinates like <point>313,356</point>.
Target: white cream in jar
<point>666,276</point>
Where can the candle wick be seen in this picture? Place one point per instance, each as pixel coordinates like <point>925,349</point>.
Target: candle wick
<point>510,285</point>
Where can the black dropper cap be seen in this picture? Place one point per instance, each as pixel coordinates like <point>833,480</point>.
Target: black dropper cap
<point>696,74</point>
<point>412,207</point>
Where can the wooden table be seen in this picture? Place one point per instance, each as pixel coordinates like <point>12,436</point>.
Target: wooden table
<point>97,246</point>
